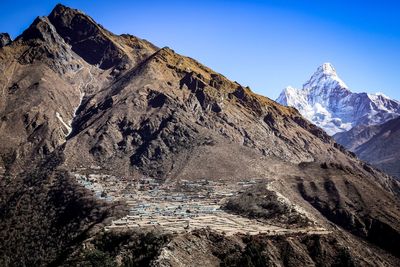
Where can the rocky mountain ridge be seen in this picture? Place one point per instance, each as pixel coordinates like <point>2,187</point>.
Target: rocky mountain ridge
<point>376,144</point>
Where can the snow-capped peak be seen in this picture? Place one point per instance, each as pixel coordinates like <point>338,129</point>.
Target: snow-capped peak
<point>327,69</point>
<point>325,77</point>
<point>326,101</point>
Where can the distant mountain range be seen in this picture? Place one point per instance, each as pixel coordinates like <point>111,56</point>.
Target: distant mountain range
<point>366,124</point>
<point>326,101</point>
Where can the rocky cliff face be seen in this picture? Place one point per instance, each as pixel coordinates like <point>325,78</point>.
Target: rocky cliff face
<point>79,100</point>
<point>326,101</point>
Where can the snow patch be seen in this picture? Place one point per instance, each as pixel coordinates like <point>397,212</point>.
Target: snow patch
<point>67,126</point>
<point>81,96</point>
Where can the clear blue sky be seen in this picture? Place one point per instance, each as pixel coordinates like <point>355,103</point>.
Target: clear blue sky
<point>264,44</point>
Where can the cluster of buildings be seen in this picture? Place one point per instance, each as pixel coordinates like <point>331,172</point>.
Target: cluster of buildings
<point>177,206</point>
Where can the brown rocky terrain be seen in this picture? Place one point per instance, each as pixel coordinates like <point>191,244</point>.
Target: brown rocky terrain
<point>75,96</point>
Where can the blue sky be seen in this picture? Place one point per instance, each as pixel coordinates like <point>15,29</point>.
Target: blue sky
<point>266,45</point>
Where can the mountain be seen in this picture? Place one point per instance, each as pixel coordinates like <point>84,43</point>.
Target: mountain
<point>356,120</point>
<point>115,152</point>
<point>326,101</point>
<point>376,144</point>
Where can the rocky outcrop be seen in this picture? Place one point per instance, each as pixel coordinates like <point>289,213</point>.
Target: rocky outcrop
<point>5,39</point>
<point>86,38</point>
<point>262,203</point>
<point>92,42</point>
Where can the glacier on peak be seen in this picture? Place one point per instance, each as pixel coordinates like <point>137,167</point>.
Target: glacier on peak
<point>326,101</point>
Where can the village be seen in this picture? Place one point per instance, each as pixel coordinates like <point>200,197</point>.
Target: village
<point>179,206</point>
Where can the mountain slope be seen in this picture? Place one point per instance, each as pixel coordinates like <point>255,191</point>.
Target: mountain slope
<point>84,134</point>
<point>186,106</point>
<point>376,144</point>
<point>39,59</point>
<point>326,101</point>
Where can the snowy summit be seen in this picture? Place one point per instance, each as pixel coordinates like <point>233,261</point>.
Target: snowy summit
<point>326,101</point>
